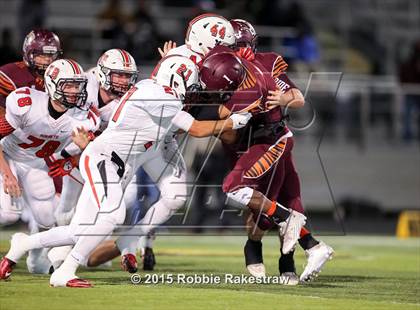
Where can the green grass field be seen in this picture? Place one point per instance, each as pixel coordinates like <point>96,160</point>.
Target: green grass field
<point>366,273</point>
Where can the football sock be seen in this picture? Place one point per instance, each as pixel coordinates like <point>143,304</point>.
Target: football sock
<point>278,212</point>
<point>307,241</point>
<point>287,263</point>
<point>253,252</point>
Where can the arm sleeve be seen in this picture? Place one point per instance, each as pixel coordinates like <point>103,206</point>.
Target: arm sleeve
<point>15,114</point>
<point>6,85</point>
<point>183,120</point>
<point>5,128</point>
<point>89,120</point>
<point>284,83</point>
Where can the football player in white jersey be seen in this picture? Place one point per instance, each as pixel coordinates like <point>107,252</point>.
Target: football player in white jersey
<point>115,73</point>
<point>182,80</point>
<point>204,33</point>
<point>36,125</point>
<point>131,140</point>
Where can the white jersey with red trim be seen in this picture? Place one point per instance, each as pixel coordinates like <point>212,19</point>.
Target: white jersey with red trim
<point>143,117</point>
<point>184,50</point>
<point>37,135</point>
<point>105,112</point>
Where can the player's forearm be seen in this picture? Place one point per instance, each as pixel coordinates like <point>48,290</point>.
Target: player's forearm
<point>201,129</point>
<point>4,166</point>
<point>293,99</point>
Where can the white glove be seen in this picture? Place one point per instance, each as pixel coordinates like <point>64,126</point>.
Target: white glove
<point>240,119</point>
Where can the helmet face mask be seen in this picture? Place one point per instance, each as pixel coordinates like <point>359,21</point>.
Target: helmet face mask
<point>245,34</point>
<point>65,82</point>
<point>118,88</point>
<point>71,93</point>
<point>116,71</point>
<point>40,49</point>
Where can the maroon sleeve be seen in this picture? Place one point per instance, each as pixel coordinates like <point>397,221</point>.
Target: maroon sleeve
<point>249,100</point>
<point>5,128</point>
<point>284,83</point>
<point>273,62</point>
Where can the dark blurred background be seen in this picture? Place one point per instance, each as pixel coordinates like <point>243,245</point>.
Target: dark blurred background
<point>357,62</point>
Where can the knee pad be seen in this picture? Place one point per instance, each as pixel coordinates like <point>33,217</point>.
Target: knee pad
<point>43,213</point>
<point>239,198</point>
<point>39,186</point>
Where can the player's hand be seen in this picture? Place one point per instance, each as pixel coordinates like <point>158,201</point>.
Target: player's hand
<point>81,137</point>
<point>276,98</point>
<point>62,167</point>
<point>166,48</point>
<point>11,185</point>
<point>246,52</point>
<point>239,120</point>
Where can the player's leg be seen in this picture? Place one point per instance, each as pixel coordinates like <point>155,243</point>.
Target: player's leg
<point>317,252</point>
<point>72,186</point>
<point>150,194</point>
<point>270,185</point>
<point>71,190</point>
<point>172,185</point>
<point>242,191</point>
<point>39,196</point>
<point>55,237</point>
<point>253,247</point>
<point>108,250</point>
<point>22,243</point>
<point>104,194</point>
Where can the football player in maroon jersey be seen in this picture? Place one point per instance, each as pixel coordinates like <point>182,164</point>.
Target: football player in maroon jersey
<point>267,164</point>
<point>40,48</point>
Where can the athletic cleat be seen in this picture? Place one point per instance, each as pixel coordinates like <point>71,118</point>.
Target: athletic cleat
<point>317,257</point>
<point>129,263</point>
<point>291,232</point>
<point>256,270</point>
<point>63,278</point>
<point>293,278</point>
<point>149,260</point>
<point>79,283</point>
<point>18,246</point>
<point>6,268</point>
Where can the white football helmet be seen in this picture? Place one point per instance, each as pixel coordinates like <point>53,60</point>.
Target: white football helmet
<point>178,72</point>
<point>208,30</point>
<point>61,74</point>
<point>116,61</point>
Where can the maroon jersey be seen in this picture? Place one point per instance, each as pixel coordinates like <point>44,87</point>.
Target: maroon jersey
<point>15,75</point>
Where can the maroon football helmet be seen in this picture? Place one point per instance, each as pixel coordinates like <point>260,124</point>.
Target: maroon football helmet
<point>220,75</point>
<point>40,42</point>
<point>245,34</point>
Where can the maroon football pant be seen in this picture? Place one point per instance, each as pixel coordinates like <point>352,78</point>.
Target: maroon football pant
<point>280,182</point>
